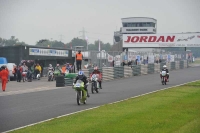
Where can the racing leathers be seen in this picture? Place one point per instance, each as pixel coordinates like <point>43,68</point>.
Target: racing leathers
<point>167,72</point>
<point>84,79</point>
<point>100,76</point>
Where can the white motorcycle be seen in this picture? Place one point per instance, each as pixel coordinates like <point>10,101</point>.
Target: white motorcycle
<point>95,83</point>
<point>50,76</point>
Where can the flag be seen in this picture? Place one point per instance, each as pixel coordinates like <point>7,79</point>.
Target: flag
<point>99,46</point>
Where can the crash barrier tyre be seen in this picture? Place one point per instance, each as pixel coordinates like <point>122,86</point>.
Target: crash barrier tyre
<point>181,64</point>
<point>136,70</point>
<point>127,71</point>
<point>177,65</point>
<point>60,82</point>
<point>118,72</point>
<point>107,73</point>
<point>173,67</point>
<point>150,68</point>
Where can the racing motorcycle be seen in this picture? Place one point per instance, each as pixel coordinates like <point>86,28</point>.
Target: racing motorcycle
<point>50,76</point>
<point>81,94</point>
<point>163,77</point>
<point>95,83</point>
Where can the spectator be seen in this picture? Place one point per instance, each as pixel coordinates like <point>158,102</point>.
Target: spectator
<point>79,58</point>
<point>19,73</point>
<point>4,77</point>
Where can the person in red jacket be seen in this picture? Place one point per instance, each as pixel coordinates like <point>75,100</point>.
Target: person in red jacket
<point>96,71</point>
<point>4,77</point>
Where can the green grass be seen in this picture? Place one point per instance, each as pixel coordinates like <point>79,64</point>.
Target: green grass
<point>176,110</point>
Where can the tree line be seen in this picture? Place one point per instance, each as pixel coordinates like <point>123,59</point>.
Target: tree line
<point>58,44</point>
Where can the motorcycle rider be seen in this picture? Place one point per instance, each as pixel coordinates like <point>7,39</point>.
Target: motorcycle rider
<point>96,71</point>
<point>83,78</point>
<point>58,68</point>
<point>50,69</point>
<point>167,71</point>
<point>38,69</point>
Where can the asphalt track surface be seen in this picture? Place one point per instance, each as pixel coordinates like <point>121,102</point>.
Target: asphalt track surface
<point>22,109</point>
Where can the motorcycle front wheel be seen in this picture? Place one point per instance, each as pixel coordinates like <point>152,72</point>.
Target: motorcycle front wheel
<point>78,97</point>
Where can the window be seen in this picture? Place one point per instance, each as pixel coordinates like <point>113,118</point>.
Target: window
<point>148,24</point>
<point>140,24</point>
<point>125,25</point>
<point>143,24</point>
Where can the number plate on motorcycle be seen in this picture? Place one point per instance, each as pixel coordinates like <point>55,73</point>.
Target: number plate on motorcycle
<point>78,85</point>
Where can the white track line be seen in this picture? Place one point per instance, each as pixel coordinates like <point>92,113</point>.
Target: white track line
<point>97,107</point>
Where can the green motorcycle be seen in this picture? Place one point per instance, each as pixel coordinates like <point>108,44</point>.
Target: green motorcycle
<point>81,94</point>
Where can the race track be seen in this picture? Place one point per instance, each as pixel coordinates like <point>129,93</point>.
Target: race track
<point>22,109</point>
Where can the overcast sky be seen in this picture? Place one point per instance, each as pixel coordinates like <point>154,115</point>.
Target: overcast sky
<point>32,20</point>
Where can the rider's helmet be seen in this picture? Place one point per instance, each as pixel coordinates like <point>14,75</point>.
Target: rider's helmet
<point>50,65</point>
<point>57,65</point>
<point>80,75</point>
<point>165,66</point>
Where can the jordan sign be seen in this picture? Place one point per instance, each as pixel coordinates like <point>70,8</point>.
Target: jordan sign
<point>161,40</point>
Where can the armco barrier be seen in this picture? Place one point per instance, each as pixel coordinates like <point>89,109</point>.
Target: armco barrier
<point>150,68</point>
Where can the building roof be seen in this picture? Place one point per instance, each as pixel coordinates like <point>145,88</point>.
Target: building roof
<point>139,17</point>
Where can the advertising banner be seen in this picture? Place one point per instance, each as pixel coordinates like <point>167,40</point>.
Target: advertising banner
<point>172,58</point>
<point>110,58</point>
<point>161,40</point>
<point>151,59</point>
<point>48,52</point>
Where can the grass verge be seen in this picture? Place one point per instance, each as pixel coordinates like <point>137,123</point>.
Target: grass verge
<point>176,110</point>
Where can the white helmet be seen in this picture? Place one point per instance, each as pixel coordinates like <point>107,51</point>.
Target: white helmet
<point>164,66</point>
